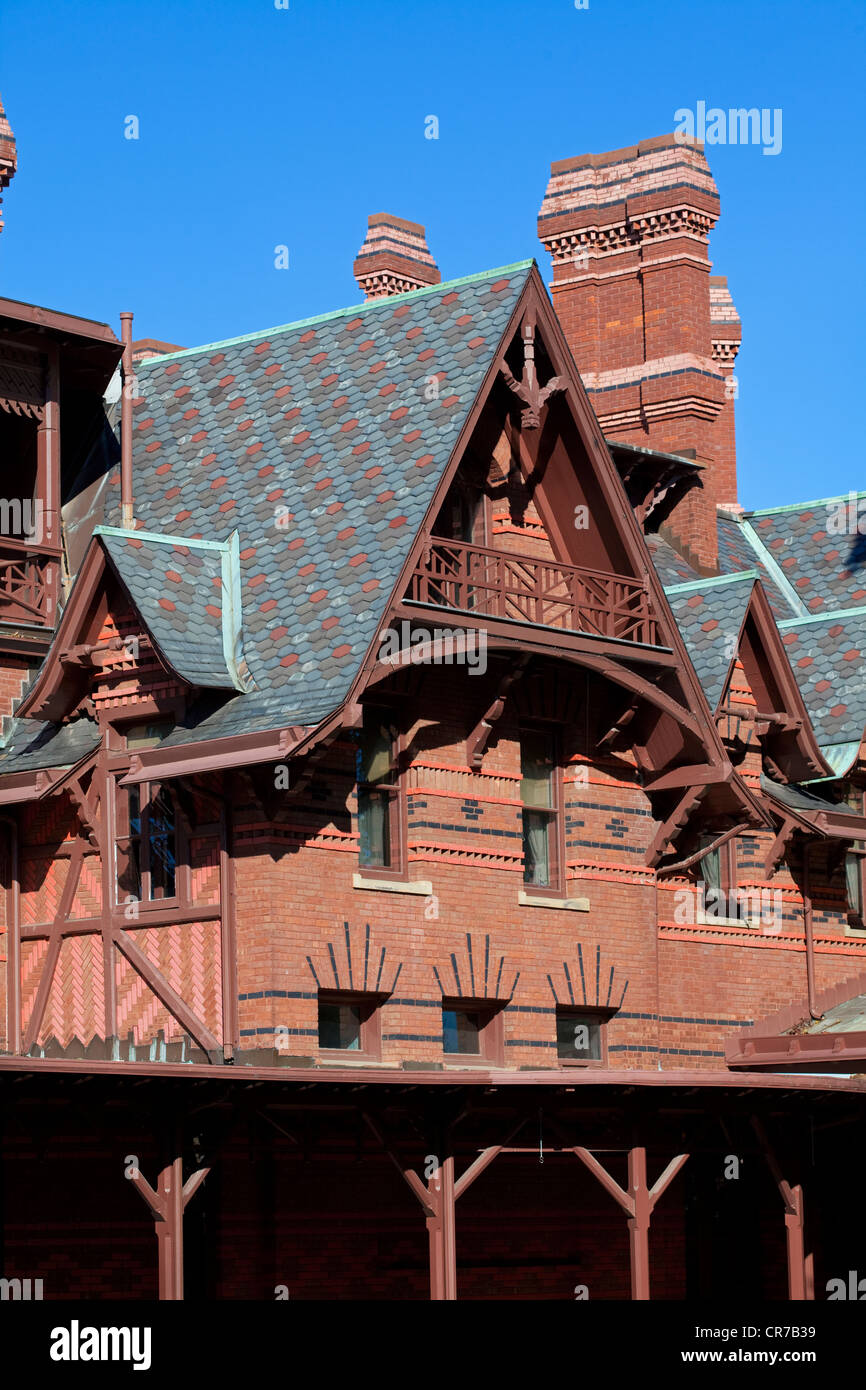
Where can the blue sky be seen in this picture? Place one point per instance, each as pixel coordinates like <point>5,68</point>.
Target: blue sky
<point>262,126</point>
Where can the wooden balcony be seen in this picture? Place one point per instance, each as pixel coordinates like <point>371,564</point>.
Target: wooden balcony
<point>26,583</point>
<point>497,584</point>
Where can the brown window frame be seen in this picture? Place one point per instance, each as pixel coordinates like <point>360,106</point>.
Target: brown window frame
<point>595,1014</point>
<point>554,814</point>
<point>120,760</point>
<point>370,1025</point>
<point>394,791</point>
<point>491,1031</point>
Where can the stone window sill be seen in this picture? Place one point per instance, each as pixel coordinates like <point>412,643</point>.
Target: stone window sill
<point>420,888</point>
<point>569,904</point>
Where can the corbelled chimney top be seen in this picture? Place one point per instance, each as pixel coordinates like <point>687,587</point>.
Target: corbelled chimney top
<point>394,258</point>
<point>8,154</point>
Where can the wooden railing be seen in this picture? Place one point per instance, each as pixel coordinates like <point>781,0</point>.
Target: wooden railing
<point>24,587</point>
<point>497,584</point>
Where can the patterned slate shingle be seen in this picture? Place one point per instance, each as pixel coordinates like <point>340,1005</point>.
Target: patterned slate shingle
<point>828,656</point>
<point>736,553</point>
<point>321,444</point>
<point>709,615</point>
<point>819,550</point>
<point>34,744</point>
<point>669,565</point>
<point>180,592</point>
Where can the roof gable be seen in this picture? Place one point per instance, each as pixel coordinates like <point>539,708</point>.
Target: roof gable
<point>321,444</point>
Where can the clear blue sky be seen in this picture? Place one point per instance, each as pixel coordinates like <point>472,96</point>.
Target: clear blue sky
<point>262,126</point>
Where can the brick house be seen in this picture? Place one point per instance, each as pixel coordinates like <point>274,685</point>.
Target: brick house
<point>421,781</point>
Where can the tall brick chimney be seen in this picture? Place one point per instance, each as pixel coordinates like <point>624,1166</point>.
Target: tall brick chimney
<point>394,258</point>
<point>628,232</point>
<point>8,155</point>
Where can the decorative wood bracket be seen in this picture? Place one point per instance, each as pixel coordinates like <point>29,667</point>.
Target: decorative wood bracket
<point>477,741</point>
<point>675,821</point>
<point>777,849</point>
<point>527,389</point>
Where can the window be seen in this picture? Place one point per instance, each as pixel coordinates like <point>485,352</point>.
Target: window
<point>543,851</point>
<point>349,1023</point>
<point>581,1036</point>
<point>722,897</point>
<point>380,802</point>
<point>146,842</point>
<point>855,873</point>
<point>472,1028</point>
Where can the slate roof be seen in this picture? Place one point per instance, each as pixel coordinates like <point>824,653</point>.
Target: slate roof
<point>828,655</point>
<point>33,744</point>
<point>740,550</point>
<point>188,596</point>
<point>669,564</point>
<point>320,444</point>
<point>709,614</point>
<point>819,549</point>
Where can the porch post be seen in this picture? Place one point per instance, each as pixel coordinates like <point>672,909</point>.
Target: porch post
<point>638,1225</point>
<point>167,1205</point>
<point>637,1203</point>
<point>801,1276</point>
<point>448,1222</point>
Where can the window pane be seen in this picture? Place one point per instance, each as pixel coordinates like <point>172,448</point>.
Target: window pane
<point>162,847</point>
<point>536,770</point>
<point>461,1031</point>
<point>128,846</point>
<point>376,751</point>
<point>128,870</point>
<point>536,849</point>
<point>374,817</point>
<point>854,883</point>
<point>340,1026</point>
<point>578,1037</point>
<point>147,735</point>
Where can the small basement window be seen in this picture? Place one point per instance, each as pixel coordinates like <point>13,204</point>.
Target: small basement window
<point>472,1028</point>
<point>581,1036</point>
<point>349,1023</point>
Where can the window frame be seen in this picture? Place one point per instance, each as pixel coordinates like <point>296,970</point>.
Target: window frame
<point>593,1013</point>
<point>491,1030</point>
<point>120,760</point>
<point>370,1029</point>
<point>395,792</point>
<point>554,814</point>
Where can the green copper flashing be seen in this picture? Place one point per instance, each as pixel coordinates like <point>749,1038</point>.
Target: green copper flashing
<point>714,582</point>
<point>805,506</point>
<point>834,615</point>
<point>351,311</point>
<point>774,569</point>
<point>160,537</point>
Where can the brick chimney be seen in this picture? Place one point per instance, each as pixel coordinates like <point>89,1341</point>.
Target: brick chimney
<point>394,258</point>
<point>628,232</point>
<point>727,333</point>
<point>8,155</point>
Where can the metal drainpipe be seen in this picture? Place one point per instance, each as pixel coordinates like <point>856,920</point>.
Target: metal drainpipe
<point>807,922</point>
<point>128,376</point>
<point>13,952</point>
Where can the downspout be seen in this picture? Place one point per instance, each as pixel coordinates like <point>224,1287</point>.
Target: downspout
<point>13,951</point>
<point>807,923</point>
<point>128,377</point>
